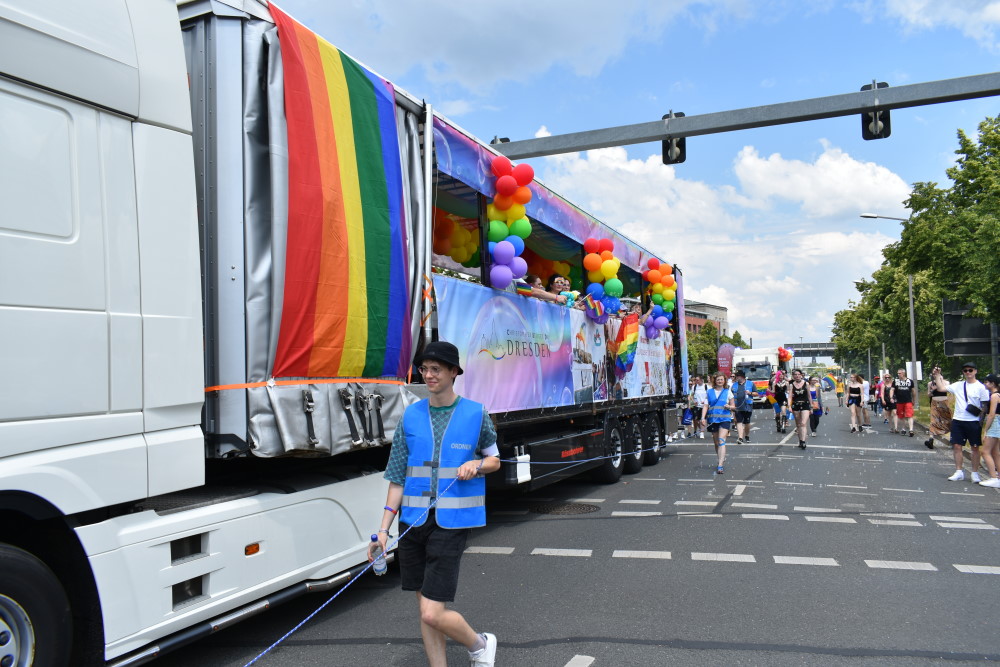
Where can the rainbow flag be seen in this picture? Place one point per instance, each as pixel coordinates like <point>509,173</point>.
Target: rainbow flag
<point>594,305</point>
<point>628,342</point>
<point>345,306</point>
<point>524,289</point>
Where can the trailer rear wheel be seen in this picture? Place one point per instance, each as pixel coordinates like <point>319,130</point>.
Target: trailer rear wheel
<point>35,624</point>
<point>614,446</point>
<point>653,439</point>
<point>633,446</point>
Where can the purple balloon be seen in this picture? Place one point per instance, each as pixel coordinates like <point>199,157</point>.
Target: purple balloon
<point>500,276</point>
<point>518,267</point>
<point>661,322</point>
<point>503,253</point>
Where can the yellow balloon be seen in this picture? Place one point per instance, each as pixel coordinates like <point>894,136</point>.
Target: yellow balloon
<point>493,213</point>
<point>608,268</point>
<point>515,212</point>
<point>595,276</point>
<point>668,294</point>
<point>657,288</point>
<point>618,263</point>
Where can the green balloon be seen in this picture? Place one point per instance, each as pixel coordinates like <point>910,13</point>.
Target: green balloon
<point>521,227</point>
<point>658,300</point>
<point>668,306</point>
<point>498,231</point>
<point>613,287</point>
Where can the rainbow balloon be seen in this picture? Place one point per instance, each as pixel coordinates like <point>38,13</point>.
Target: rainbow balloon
<point>344,307</point>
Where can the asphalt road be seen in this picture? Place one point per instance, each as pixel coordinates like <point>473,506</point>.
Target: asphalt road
<point>855,551</point>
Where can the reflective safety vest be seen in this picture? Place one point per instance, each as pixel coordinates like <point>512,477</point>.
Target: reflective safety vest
<point>717,411</point>
<point>459,505</point>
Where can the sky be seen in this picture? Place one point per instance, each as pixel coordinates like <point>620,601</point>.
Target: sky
<point>765,222</point>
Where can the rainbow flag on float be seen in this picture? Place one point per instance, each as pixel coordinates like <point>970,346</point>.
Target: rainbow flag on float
<point>627,343</point>
<point>345,303</point>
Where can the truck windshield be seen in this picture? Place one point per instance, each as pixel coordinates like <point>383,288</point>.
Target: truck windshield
<point>757,372</point>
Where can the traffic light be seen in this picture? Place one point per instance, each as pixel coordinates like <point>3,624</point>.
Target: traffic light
<point>875,124</point>
<point>674,150</point>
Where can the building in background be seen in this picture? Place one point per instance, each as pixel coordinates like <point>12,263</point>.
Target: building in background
<point>698,314</point>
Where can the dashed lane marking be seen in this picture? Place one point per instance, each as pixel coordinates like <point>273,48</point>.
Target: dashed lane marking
<point>845,486</point>
<point>633,514</point>
<point>886,515</point>
<point>744,481</point>
<point>830,458</point>
<point>700,503</point>
<point>625,553</point>
<point>831,519</point>
<point>894,522</point>
<point>824,510</point>
<point>700,514</point>
<point>904,490</point>
<point>917,463</point>
<point>740,488</point>
<point>899,565</point>
<point>956,519</point>
<point>639,502</point>
<point>574,553</point>
<point>779,517</point>
<point>798,560</point>
<point>796,483</point>
<point>580,661</point>
<point>973,526</point>
<point>872,460</point>
<point>649,479</point>
<point>755,506</point>
<point>502,551</point>
<point>728,558</point>
<point>978,569</point>
<point>963,493</point>
<point>856,493</point>
<point>682,479</point>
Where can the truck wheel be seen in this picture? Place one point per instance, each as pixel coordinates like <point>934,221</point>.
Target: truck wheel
<point>614,446</point>
<point>653,439</point>
<point>36,627</point>
<point>633,446</point>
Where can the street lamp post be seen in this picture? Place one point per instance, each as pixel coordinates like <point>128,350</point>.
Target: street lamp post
<point>913,335</point>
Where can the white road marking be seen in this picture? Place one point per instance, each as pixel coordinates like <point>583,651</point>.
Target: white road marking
<point>830,458</point>
<point>899,565</point>
<point>894,522</point>
<point>885,515</point>
<point>744,481</point>
<point>648,479</point>
<point>580,661</point>
<point>637,514</point>
<point>639,502</point>
<point>871,460</point>
<point>978,569</point>
<point>797,560</point>
<point>755,506</point>
<point>856,493</point>
<point>740,488</point>
<point>578,553</point>
<point>826,510</point>
<point>624,553</point>
<point>846,486</point>
<point>702,514</point>
<point>905,490</point>
<point>921,452</point>
<point>779,517</point>
<point>586,500</point>
<point>919,463</point>
<point>831,519</point>
<point>503,551</point>
<point>786,456</point>
<point>962,493</point>
<point>729,558</point>
<point>796,483</point>
<point>957,519</point>
<point>700,503</point>
<point>974,526</point>
<point>695,480</point>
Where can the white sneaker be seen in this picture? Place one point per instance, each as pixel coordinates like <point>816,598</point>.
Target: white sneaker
<point>701,435</point>
<point>958,476</point>
<point>975,478</point>
<point>993,483</point>
<point>485,657</point>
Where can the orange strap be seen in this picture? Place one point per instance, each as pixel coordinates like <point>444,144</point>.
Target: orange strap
<point>253,385</point>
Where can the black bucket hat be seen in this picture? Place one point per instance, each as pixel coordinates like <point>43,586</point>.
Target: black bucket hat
<point>971,365</point>
<point>441,351</point>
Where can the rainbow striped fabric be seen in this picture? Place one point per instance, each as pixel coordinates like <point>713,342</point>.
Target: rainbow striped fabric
<point>345,308</point>
<point>524,289</point>
<point>628,343</point>
<point>594,305</point>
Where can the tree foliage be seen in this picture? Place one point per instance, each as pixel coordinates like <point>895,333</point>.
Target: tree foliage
<point>949,245</point>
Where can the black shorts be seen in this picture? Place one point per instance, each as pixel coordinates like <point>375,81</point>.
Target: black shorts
<point>962,431</point>
<point>727,425</point>
<point>853,400</point>
<point>429,557</point>
<point>801,407</point>
<point>743,416</point>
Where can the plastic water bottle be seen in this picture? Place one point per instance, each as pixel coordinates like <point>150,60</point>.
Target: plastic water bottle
<point>379,566</point>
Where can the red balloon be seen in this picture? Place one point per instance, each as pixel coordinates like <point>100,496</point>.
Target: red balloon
<point>501,166</point>
<point>607,244</point>
<point>653,263</point>
<point>644,274</point>
<point>524,174</point>
<point>506,185</point>
<point>592,246</point>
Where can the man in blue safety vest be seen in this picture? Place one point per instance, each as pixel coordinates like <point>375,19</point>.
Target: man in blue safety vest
<point>440,451</point>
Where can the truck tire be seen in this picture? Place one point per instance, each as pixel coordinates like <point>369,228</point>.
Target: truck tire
<point>610,470</point>
<point>653,438</point>
<point>633,446</point>
<point>35,617</point>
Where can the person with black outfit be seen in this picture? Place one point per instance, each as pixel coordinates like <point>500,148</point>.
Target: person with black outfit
<point>779,387</point>
<point>800,404</point>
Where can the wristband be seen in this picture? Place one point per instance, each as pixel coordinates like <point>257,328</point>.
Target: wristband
<point>384,530</point>
<point>390,509</point>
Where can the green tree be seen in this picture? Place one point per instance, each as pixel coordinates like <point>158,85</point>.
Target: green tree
<point>704,345</point>
<point>737,340</point>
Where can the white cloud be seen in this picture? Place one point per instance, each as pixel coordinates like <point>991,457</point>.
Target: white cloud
<point>977,19</point>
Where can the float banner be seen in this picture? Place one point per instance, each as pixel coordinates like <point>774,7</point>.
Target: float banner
<point>344,311</point>
<point>590,358</point>
<point>516,351</point>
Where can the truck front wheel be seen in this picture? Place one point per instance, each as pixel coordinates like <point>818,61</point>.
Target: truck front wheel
<point>36,627</point>
<point>610,470</point>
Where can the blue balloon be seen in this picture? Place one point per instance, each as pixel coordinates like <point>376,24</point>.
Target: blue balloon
<point>657,311</point>
<point>596,290</point>
<point>518,244</point>
<point>669,316</point>
<point>493,244</point>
